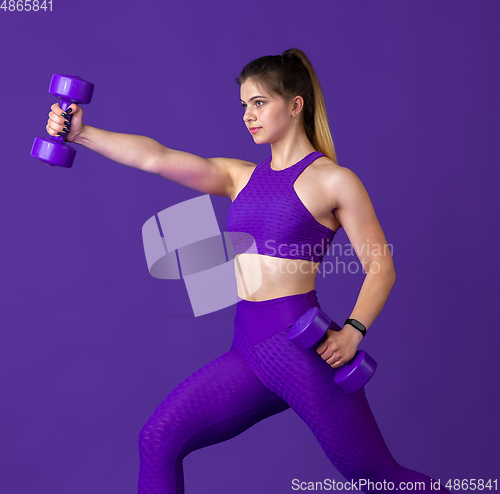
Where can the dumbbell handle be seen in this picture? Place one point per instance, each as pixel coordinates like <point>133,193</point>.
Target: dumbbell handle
<point>64,104</point>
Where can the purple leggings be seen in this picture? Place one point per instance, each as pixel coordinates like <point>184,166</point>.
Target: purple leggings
<point>261,375</point>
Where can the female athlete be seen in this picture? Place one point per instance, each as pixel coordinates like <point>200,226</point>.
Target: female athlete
<point>291,205</point>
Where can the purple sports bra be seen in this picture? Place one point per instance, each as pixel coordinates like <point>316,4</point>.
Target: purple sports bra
<point>267,217</point>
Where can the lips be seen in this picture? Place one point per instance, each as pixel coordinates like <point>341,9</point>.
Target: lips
<point>254,129</point>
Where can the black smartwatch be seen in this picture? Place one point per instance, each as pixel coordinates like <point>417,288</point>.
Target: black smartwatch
<point>356,324</point>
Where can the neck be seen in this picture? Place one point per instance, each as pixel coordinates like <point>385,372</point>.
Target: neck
<point>288,151</point>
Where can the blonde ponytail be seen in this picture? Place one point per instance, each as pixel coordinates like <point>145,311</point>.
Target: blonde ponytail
<point>322,136</point>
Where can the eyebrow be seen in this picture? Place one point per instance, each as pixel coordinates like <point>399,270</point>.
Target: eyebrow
<point>254,97</point>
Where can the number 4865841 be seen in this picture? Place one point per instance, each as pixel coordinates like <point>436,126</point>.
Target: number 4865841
<point>26,5</point>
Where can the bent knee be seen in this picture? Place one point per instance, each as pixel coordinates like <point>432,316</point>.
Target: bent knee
<point>168,430</point>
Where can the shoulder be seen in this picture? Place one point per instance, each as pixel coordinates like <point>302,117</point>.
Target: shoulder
<point>338,182</point>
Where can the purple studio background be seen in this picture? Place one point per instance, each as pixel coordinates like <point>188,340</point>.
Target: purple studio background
<point>91,343</point>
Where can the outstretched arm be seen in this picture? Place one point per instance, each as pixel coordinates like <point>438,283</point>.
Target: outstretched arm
<point>208,175</point>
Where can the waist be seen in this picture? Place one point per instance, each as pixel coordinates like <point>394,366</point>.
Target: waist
<point>261,319</point>
<point>307,297</point>
<point>260,277</point>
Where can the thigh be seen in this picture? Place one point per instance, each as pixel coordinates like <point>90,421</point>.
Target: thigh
<point>216,403</point>
<point>342,423</point>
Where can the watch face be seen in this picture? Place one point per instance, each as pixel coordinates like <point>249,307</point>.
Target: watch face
<point>358,325</point>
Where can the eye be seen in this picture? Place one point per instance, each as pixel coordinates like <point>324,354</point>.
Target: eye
<point>244,105</point>
<point>259,101</point>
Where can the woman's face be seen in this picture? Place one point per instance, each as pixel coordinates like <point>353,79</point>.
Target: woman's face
<point>268,116</point>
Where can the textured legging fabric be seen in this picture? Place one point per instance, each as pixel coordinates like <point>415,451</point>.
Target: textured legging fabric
<point>261,375</point>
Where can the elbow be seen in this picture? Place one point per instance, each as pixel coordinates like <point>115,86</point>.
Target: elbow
<point>152,164</point>
<point>389,271</point>
<point>156,159</point>
<point>384,269</point>
<point>391,274</point>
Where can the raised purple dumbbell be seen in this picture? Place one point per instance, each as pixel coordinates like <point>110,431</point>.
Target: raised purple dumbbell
<point>311,327</point>
<point>71,89</point>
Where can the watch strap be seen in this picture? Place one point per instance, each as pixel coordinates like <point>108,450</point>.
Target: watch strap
<point>356,324</point>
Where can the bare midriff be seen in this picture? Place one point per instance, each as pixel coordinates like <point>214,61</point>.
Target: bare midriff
<point>260,277</point>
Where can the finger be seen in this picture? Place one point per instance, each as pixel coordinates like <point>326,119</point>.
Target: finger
<point>328,349</point>
<point>327,353</point>
<point>50,130</point>
<point>321,349</point>
<point>335,360</point>
<point>58,123</point>
<point>322,345</point>
<point>55,128</point>
<point>72,109</point>
<point>58,119</point>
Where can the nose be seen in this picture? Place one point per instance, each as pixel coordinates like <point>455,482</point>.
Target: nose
<point>248,116</point>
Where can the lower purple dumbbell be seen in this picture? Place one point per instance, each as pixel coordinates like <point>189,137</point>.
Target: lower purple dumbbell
<point>71,89</point>
<point>311,327</point>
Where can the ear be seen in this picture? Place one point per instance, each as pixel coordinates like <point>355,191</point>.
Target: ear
<point>297,104</point>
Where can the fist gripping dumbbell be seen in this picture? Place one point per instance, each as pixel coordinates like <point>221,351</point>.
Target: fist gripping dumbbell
<point>71,89</point>
<point>311,327</point>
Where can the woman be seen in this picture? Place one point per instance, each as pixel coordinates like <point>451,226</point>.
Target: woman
<point>291,204</point>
